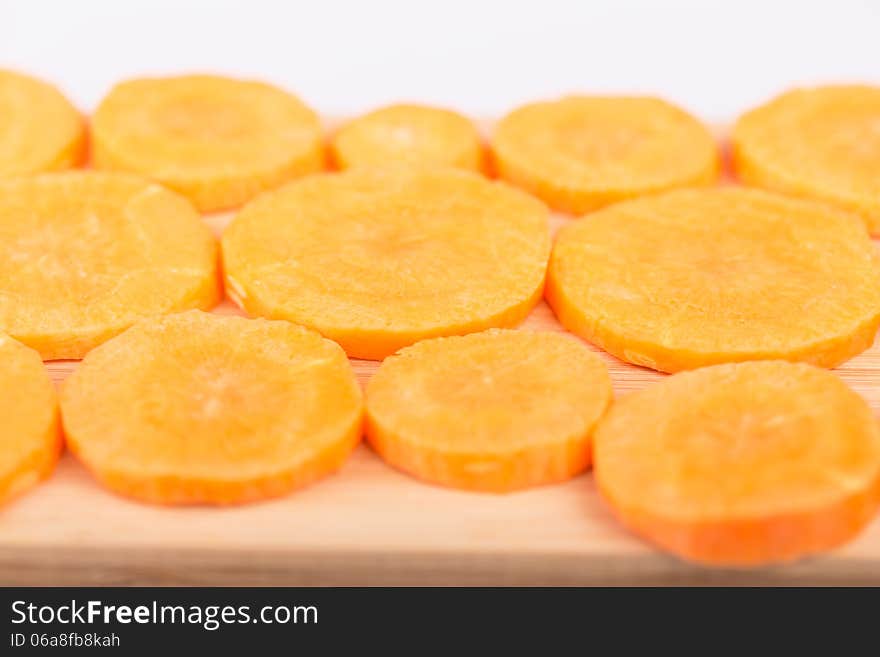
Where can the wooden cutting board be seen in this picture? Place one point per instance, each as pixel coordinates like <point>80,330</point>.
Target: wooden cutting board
<point>370,525</point>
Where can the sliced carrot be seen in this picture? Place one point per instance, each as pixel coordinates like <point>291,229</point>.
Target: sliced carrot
<point>216,140</point>
<point>408,135</point>
<point>742,464</point>
<point>83,255</point>
<point>699,277</point>
<point>492,411</point>
<point>30,437</point>
<point>39,129</point>
<point>200,408</point>
<point>583,152</point>
<point>379,259</point>
<point>822,143</point>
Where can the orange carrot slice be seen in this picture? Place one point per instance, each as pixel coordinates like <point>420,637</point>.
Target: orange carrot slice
<point>583,152</point>
<point>30,439</point>
<point>39,129</point>
<point>216,140</point>
<point>699,277</point>
<point>819,143</point>
<point>492,411</point>
<point>379,259</point>
<point>83,255</point>
<point>742,464</point>
<point>200,408</point>
<point>409,135</point>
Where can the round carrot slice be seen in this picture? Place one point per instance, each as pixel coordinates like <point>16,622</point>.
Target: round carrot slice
<point>199,408</point>
<point>700,277</point>
<point>379,259</point>
<point>39,129</point>
<point>83,255</point>
<point>492,411</point>
<point>742,464</point>
<point>581,153</point>
<point>30,440</point>
<point>409,134</point>
<point>819,143</point>
<point>216,140</point>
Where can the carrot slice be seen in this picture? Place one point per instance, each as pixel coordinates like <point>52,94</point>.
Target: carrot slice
<point>700,277</point>
<point>39,129</point>
<point>30,437</point>
<point>83,255</point>
<point>583,152</point>
<point>819,143</point>
<point>216,140</point>
<point>493,411</point>
<point>200,408</point>
<point>379,259</point>
<point>742,464</point>
<point>409,134</point>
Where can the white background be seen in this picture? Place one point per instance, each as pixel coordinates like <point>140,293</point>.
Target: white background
<point>715,58</point>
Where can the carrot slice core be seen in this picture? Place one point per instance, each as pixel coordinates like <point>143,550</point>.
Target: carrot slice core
<point>743,463</point>
<point>39,129</point>
<point>583,152</point>
<point>218,141</point>
<point>492,411</point>
<point>821,143</point>
<point>409,135</point>
<point>379,259</point>
<point>83,255</point>
<point>200,408</point>
<point>30,436</point>
<point>700,277</point>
